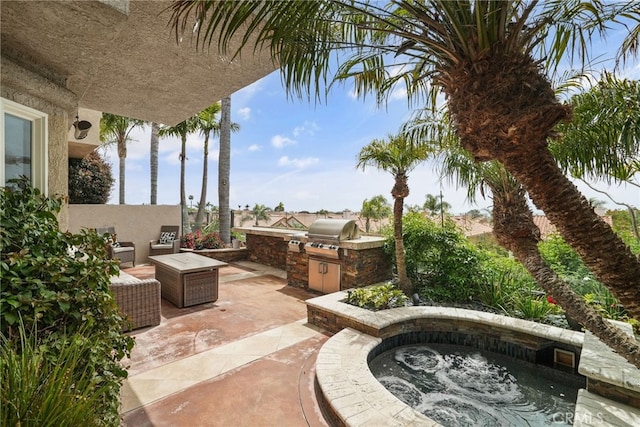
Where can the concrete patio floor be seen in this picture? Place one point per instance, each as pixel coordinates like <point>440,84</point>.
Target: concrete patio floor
<point>246,359</point>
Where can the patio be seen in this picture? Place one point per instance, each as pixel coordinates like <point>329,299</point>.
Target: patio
<point>246,359</point>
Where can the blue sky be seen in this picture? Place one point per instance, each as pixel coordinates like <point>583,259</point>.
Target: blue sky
<point>303,155</point>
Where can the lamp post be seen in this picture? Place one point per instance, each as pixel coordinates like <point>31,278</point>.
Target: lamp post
<point>191,201</point>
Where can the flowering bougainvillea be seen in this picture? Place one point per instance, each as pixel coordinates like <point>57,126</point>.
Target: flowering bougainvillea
<point>199,240</point>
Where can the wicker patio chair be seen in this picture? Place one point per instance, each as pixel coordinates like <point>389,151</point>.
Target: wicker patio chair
<point>168,241</point>
<point>138,300</point>
<point>124,251</point>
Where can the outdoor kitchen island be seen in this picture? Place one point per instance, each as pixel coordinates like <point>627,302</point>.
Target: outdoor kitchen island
<point>336,258</point>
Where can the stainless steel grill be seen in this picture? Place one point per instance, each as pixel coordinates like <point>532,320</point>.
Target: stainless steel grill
<point>333,230</point>
<point>325,235</point>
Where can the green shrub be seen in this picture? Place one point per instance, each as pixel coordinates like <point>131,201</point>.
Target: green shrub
<point>90,180</point>
<point>57,284</point>
<point>378,297</point>
<point>564,260</point>
<point>200,240</point>
<point>441,262</point>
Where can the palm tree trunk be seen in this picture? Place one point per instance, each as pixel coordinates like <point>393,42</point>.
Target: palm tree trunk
<point>121,176</point>
<point>183,198</point>
<point>153,156</point>
<point>513,128</point>
<point>399,192</point>
<point>404,284</point>
<point>224,170</point>
<point>203,192</point>
<point>611,261</point>
<point>514,229</point>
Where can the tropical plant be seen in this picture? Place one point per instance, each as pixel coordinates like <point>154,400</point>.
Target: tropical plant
<point>485,56</point>
<point>375,209</point>
<point>434,205</point>
<point>90,180</point>
<point>153,161</point>
<point>377,297</point>
<point>181,130</point>
<point>116,129</point>
<point>42,390</point>
<point>56,284</point>
<point>259,213</point>
<point>279,208</point>
<point>397,155</point>
<point>529,305</point>
<point>602,140</point>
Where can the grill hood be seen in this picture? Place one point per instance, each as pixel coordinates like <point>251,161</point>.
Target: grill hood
<point>333,230</point>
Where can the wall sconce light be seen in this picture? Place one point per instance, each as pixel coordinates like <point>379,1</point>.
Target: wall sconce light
<point>82,128</point>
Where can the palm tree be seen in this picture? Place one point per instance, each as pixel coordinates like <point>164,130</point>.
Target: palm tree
<point>375,209</point>
<point>435,205</point>
<point>181,130</point>
<point>259,213</point>
<point>485,56</point>
<point>153,166</point>
<point>515,230</point>
<point>224,169</point>
<point>208,125</point>
<point>398,156</point>
<point>116,130</point>
<point>603,140</point>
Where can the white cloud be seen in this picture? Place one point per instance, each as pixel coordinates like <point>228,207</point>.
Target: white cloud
<point>244,113</point>
<point>254,147</point>
<point>298,163</point>
<point>280,141</point>
<point>308,127</point>
<point>398,93</point>
<point>396,70</point>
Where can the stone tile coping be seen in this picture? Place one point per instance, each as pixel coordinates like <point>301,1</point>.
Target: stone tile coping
<point>600,362</point>
<point>351,390</point>
<point>597,411</point>
<point>332,303</point>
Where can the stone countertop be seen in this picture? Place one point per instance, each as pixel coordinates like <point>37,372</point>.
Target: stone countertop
<point>288,234</point>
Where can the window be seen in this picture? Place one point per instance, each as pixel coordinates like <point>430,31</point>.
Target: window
<point>23,144</point>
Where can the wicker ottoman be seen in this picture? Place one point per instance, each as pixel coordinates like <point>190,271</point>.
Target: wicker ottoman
<point>186,278</point>
<point>138,300</point>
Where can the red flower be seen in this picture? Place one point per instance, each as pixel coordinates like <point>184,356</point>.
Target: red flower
<point>550,300</point>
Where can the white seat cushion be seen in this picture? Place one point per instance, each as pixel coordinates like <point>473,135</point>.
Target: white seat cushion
<point>122,249</point>
<point>161,246</point>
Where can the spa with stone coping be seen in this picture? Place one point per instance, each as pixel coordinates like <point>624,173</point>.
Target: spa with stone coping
<point>351,396</point>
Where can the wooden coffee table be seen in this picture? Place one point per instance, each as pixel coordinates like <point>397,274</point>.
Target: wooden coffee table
<point>186,278</point>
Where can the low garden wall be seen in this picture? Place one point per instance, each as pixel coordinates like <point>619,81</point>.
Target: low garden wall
<point>225,255</point>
